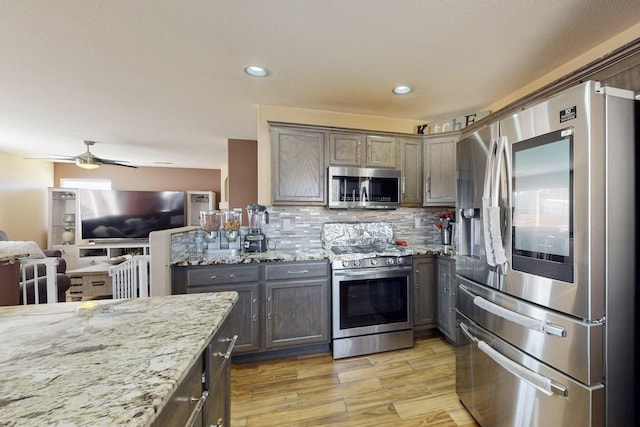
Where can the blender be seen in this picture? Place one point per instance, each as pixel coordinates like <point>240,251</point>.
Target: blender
<point>255,240</point>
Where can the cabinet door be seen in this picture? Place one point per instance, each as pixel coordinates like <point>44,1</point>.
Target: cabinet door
<point>297,313</point>
<point>440,171</point>
<point>381,152</point>
<point>245,315</point>
<point>297,166</point>
<point>180,407</point>
<point>345,149</point>
<point>411,166</point>
<point>446,295</point>
<point>218,412</point>
<point>424,268</point>
<point>63,217</point>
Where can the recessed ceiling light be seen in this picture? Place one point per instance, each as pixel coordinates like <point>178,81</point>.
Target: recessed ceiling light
<point>402,90</point>
<point>255,71</point>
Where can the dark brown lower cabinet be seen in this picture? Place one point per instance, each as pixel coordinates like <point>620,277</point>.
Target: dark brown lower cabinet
<point>447,298</point>
<point>425,301</point>
<point>282,306</point>
<point>203,398</point>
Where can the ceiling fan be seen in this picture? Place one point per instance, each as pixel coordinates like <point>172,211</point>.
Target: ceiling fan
<point>88,160</point>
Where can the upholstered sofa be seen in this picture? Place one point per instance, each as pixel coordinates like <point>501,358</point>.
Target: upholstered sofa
<point>63,281</point>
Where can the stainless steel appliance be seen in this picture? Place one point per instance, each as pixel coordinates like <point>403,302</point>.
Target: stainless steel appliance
<point>363,188</point>
<point>545,277</point>
<point>372,289</point>
<point>255,240</point>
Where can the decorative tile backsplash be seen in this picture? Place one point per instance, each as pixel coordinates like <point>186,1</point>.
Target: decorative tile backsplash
<point>301,227</point>
<point>295,228</point>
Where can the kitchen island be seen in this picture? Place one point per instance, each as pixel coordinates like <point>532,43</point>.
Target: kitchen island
<point>107,362</point>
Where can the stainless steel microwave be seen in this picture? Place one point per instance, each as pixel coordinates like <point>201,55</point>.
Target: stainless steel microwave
<point>363,188</point>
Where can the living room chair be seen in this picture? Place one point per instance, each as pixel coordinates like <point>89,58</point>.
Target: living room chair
<point>33,277</point>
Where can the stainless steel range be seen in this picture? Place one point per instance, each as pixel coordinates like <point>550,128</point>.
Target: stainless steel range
<point>372,284</point>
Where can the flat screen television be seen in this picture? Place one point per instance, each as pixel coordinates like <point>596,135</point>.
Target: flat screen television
<point>117,215</point>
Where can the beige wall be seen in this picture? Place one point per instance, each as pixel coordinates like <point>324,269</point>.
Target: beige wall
<point>144,178</point>
<point>314,117</point>
<point>23,197</point>
<point>243,174</point>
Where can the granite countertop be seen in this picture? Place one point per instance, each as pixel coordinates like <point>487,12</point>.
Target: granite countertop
<point>111,362</point>
<point>437,249</point>
<point>277,255</point>
<point>301,255</point>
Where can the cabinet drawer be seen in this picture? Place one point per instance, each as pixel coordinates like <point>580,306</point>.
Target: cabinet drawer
<point>298,270</point>
<point>181,405</point>
<point>213,275</point>
<point>96,284</point>
<point>221,347</point>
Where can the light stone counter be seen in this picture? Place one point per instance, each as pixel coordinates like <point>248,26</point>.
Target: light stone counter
<point>437,249</point>
<point>115,364</point>
<point>307,255</point>
<point>277,255</point>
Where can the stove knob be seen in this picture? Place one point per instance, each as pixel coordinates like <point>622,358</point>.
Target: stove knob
<point>374,262</point>
<point>400,260</point>
<point>390,261</point>
<point>356,263</point>
<point>345,263</point>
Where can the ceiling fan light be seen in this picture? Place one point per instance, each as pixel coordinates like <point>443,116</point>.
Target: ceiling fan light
<point>87,163</point>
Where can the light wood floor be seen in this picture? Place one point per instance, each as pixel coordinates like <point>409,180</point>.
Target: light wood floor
<point>412,387</point>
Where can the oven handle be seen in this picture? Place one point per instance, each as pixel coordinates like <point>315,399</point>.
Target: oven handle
<point>542,383</point>
<point>515,317</point>
<point>370,271</point>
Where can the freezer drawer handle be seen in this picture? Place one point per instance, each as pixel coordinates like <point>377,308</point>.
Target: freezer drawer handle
<point>542,383</point>
<point>512,316</point>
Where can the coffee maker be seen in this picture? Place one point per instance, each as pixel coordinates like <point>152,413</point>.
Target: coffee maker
<point>255,240</point>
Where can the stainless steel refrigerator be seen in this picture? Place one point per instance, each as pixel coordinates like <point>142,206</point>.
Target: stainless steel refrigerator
<point>545,269</point>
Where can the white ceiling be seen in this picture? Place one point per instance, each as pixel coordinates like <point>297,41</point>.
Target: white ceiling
<point>162,81</point>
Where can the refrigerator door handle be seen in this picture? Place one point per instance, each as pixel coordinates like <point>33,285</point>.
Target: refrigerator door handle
<point>515,317</point>
<point>486,204</point>
<point>495,251</point>
<point>540,382</point>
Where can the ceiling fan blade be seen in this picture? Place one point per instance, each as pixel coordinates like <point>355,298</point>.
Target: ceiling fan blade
<point>66,159</point>
<point>116,163</point>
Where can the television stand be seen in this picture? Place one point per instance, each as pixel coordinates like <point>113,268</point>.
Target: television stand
<point>80,256</point>
<point>92,282</point>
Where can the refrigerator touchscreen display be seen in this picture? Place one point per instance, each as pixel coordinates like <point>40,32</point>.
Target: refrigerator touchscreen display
<point>542,208</point>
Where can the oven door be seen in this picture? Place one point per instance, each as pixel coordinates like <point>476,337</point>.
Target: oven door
<point>371,300</point>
